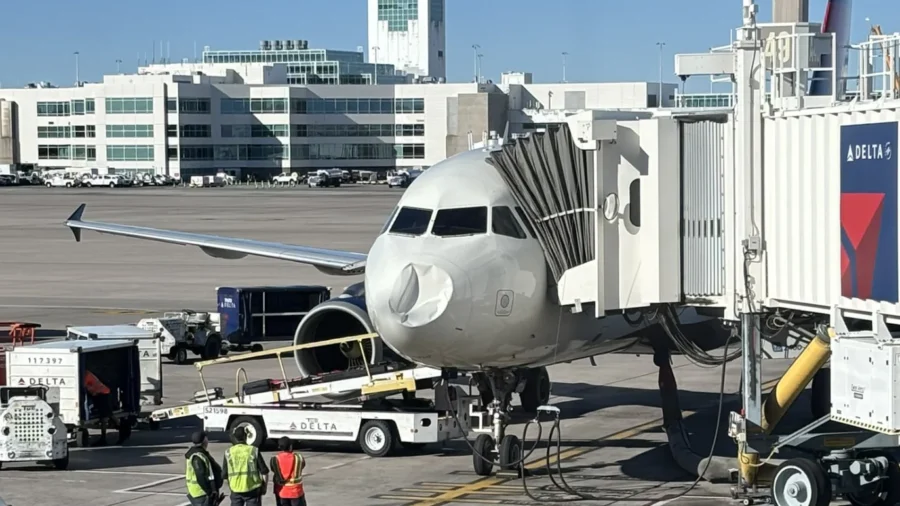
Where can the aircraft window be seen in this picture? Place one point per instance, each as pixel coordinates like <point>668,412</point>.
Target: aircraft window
<point>411,221</point>
<point>460,221</point>
<point>389,220</point>
<point>525,221</point>
<point>504,223</point>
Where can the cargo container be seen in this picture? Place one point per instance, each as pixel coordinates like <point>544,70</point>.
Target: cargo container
<point>63,364</point>
<point>148,347</point>
<point>265,313</point>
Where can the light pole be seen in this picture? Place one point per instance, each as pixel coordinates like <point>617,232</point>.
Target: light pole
<point>375,49</point>
<point>475,48</point>
<point>118,63</point>
<point>77,80</point>
<point>659,101</point>
<point>564,54</point>
<point>480,68</point>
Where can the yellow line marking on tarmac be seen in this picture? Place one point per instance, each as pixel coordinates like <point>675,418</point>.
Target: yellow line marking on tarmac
<point>493,481</point>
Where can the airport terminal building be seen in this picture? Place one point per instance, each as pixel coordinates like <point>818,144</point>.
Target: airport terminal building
<point>193,119</point>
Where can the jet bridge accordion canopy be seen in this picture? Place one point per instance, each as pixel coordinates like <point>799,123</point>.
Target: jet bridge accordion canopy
<point>553,182</point>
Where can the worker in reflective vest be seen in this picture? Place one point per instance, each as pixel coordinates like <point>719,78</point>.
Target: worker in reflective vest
<point>202,474</point>
<point>102,400</point>
<point>245,471</point>
<point>287,475</point>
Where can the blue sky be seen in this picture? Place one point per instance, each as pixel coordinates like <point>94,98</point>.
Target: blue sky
<point>606,40</point>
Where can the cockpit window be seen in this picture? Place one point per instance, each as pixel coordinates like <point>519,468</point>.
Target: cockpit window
<point>411,221</point>
<point>460,221</point>
<point>525,221</point>
<point>389,220</point>
<point>504,223</point>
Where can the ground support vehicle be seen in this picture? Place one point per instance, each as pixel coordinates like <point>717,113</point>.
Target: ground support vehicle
<point>325,178</point>
<point>148,347</point>
<point>270,409</point>
<point>186,331</point>
<point>63,365</point>
<point>30,427</point>
<point>249,315</point>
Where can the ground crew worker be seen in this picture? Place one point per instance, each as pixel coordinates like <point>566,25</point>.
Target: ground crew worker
<point>202,474</point>
<point>245,471</point>
<point>102,400</point>
<point>287,475</point>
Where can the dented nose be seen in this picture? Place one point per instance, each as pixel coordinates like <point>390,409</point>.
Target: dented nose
<point>421,294</point>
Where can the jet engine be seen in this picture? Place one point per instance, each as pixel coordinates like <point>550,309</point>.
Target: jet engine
<point>343,316</point>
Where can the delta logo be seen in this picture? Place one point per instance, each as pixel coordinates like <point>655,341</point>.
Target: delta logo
<point>857,152</point>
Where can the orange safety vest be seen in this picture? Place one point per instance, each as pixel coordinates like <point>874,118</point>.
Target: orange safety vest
<point>289,465</point>
<point>94,385</point>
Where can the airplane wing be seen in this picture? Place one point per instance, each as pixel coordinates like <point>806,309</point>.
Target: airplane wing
<point>341,263</point>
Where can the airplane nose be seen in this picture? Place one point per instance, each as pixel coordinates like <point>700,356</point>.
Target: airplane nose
<point>421,294</point>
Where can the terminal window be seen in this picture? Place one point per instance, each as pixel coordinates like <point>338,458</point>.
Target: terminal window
<point>129,105</point>
<point>53,108</point>
<point>195,131</point>
<point>84,152</point>
<point>129,153</point>
<point>398,13</point>
<point>53,152</point>
<point>129,131</point>
<point>54,132</point>
<point>194,106</point>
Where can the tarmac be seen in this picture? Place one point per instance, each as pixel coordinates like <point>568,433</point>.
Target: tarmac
<point>613,446</point>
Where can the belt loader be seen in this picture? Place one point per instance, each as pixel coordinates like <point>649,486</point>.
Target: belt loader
<point>270,409</point>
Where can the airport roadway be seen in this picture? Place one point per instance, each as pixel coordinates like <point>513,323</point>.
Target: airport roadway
<point>613,445</point>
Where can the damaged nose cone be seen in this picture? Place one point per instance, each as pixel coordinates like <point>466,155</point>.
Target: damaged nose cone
<point>421,294</point>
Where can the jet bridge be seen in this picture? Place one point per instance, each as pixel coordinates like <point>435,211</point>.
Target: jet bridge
<point>602,192</point>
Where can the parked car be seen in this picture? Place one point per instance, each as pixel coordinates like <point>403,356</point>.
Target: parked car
<point>286,179</point>
<point>8,180</point>
<point>64,180</point>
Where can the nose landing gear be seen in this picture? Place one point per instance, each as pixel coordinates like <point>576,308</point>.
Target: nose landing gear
<point>493,446</point>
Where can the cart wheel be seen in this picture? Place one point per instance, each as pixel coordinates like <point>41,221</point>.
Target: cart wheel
<point>61,464</point>
<point>256,347</point>
<point>537,390</point>
<point>256,431</point>
<point>801,482</point>
<point>376,438</point>
<point>180,356</point>
<point>124,430</point>
<point>483,456</point>
<point>884,492</point>
<point>82,438</point>
<point>213,347</point>
<point>510,452</point>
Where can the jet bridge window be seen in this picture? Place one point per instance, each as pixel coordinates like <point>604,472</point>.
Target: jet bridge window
<point>504,223</point>
<point>460,221</point>
<point>411,221</point>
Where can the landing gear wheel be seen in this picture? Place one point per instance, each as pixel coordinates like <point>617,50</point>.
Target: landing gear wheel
<point>820,394</point>
<point>256,431</point>
<point>61,464</point>
<point>537,390</point>
<point>483,456</point>
<point>801,482</point>
<point>82,438</point>
<point>213,347</point>
<point>179,356</point>
<point>885,492</point>
<point>510,452</point>
<point>376,438</point>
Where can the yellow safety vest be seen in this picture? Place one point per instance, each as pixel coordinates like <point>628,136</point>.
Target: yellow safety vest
<point>190,478</point>
<point>243,473</point>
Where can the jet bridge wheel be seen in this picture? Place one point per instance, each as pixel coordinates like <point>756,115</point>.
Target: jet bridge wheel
<point>885,492</point>
<point>801,482</point>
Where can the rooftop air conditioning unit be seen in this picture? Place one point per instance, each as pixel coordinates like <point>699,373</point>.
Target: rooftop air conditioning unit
<point>288,44</point>
<point>277,45</point>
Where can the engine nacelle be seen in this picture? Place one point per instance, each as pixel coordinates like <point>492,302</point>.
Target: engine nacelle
<point>340,317</point>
